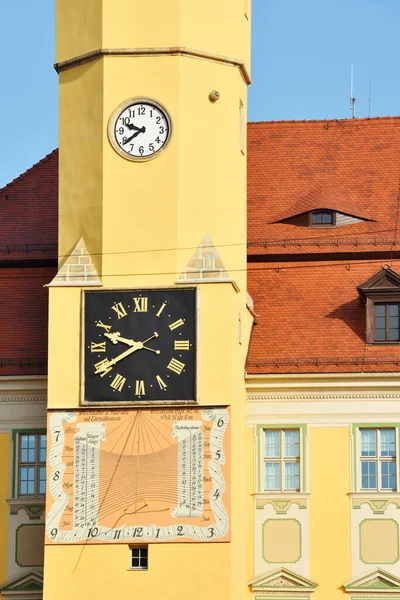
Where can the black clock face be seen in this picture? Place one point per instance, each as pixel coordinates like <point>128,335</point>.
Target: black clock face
<point>140,345</point>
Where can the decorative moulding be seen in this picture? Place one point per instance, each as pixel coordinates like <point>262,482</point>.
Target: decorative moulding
<point>34,507</point>
<point>27,587</point>
<point>206,266</point>
<point>375,584</point>
<point>23,389</point>
<point>377,503</point>
<point>280,502</point>
<point>77,270</point>
<point>281,582</point>
<point>325,386</point>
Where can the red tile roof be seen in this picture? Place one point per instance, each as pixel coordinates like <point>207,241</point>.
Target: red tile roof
<point>29,212</point>
<point>310,318</point>
<point>352,166</point>
<point>23,323</point>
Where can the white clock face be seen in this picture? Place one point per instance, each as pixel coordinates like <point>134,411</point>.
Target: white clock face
<point>139,129</point>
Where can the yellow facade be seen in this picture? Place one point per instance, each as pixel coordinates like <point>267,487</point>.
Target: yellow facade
<point>4,488</point>
<point>141,223</point>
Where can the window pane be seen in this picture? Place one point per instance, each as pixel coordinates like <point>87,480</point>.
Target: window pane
<point>135,561</point>
<point>272,444</point>
<point>368,475</point>
<point>42,480</point>
<point>24,441</point>
<point>368,442</point>
<point>388,475</point>
<point>327,218</point>
<point>380,335</point>
<point>380,322</point>
<point>388,442</point>
<point>42,449</point>
<point>292,443</point>
<point>272,476</point>
<point>317,218</point>
<point>393,310</point>
<point>143,562</point>
<point>393,334</point>
<point>379,310</point>
<point>292,475</point>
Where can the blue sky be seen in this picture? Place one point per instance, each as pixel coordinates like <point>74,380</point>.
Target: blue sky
<point>301,58</point>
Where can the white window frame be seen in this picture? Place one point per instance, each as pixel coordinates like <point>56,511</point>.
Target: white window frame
<point>36,465</point>
<point>139,550</point>
<point>282,459</point>
<point>378,459</point>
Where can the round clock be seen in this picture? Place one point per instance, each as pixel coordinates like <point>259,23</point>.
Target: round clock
<point>139,345</point>
<point>139,129</point>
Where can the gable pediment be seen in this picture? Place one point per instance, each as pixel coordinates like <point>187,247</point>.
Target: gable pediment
<point>31,583</point>
<point>385,280</point>
<point>282,580</point>
<point>377,581</point>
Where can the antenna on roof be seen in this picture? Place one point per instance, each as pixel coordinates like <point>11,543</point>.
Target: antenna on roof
<point>353,100</point>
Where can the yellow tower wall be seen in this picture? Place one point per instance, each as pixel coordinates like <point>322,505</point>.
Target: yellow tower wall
<point>141,223</point>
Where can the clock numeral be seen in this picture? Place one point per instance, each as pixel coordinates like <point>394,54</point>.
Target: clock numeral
<point>140,304</point>
<point>141,110</point>
<point>163,305</point>
<point>103,367</point>
<point>100,347</point>
<point>176,366</point>
<point>141,149</point>
<point>181,344</point>
<point>120,310</point>
<point>161,383</point>
<point>140,390</point>
<point>118,382</point>
<point>177,324</point>
<point>101,324</point>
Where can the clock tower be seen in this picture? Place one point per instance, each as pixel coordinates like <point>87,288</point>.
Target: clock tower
<point>149,319</point>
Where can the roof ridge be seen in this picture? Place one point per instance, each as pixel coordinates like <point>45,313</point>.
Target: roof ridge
<point>306,121</point>
<point>34,166</point>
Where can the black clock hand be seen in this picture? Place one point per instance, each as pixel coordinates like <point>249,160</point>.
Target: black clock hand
<point>131,126</point>
<point>141,130</point>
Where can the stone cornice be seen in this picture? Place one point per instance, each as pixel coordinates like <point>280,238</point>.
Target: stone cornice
<point>169,51</point>
<point>349,386</point>
<point>23,389</point>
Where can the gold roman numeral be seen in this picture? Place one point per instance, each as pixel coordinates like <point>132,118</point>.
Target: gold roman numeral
<point>181,344</point>
<point>118,382</point>
<point>101,324</point>
<point>177,324</point>
<point>94,347</point>
<point>120,310</point>
<point>140,391</point>
<point>103,367</point>
<point>161,383</point>
<point>176,366</point>
<point>163,305</point>
<point>140,304</point>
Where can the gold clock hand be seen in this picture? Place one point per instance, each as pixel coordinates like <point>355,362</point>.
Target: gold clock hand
<point>151,350</point>
<point>113,361</point>
<point>115,337</point>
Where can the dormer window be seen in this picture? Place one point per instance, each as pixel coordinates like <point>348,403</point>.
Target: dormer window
<point>381,294</point>
<point>322,218</point>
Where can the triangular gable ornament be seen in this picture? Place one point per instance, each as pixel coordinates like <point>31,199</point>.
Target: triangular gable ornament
<point>375,584</point>
<point>385,280</point>
<point>29,585</point>
<point>206,265</point>
<point>77,270</point>
<point>281,581</point>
